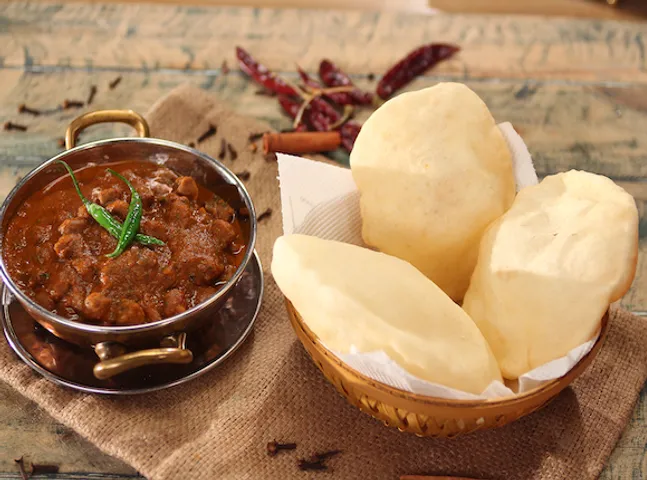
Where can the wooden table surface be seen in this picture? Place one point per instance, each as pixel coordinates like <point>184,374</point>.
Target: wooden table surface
<point>625,10</point>
<point>575,89</point>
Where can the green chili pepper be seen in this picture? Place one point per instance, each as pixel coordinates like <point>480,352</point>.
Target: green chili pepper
<point>103,216</point>
<point>115,231</point>
<point>133,219</point>
<point>145,239</point>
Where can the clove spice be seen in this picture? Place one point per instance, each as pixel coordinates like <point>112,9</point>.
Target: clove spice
<point>320,457</point>
<point>318,460</point>
<point>255,136</point>
<point>274,447</point>
<point>113,84</point>
<point>266,214</point>
<point>93,92</point>
<point>67,104</point>
<point>244,175</point>
<point>22,108</point>
<point>14,126</point>
<point>211,131</point>
<point>21,468</point>
<point>223,149</point>
<point>306,465</point>
<point>370,76</point>
<point>233,154</point>
<point>191,144</point>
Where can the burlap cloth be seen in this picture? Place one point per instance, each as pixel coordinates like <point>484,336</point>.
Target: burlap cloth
<point>218,425</point>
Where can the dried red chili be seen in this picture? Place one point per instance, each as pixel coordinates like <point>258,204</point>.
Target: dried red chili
<point>332,76</point>
<point>319,105</point>
<point>415,63</point>
<point>340,98</point>
<point>349,132</point>
<point>262,75</point>
<point>290,105</point>
<point>318,119</point>
<point>319,115</point>
<point>307,79</point>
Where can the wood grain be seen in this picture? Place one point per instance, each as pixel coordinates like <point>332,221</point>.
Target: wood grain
<point>153,37</point>
<point>417,6</point>
<point>565,124</point>
<point>631,9</point>
<point>25,430</point>
<point>575,90</point>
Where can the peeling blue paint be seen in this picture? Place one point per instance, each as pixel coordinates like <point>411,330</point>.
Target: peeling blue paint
<point>194,10</point>
<point>209,82</point>
<point>29,60</point>
<point>642,227</point>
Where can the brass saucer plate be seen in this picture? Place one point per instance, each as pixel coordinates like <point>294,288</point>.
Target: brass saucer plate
<point>71,366</point>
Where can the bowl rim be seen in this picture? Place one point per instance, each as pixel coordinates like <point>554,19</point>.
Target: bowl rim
<point>55,319</point>
<point>14,341</point>
<point>510,400</point>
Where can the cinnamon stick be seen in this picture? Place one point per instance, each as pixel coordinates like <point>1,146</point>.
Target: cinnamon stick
<point>301,142</point>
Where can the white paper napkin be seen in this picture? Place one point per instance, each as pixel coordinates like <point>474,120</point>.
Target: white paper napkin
<point>323,201</point>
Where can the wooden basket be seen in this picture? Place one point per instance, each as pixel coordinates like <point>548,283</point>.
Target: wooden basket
<point>430,416</point>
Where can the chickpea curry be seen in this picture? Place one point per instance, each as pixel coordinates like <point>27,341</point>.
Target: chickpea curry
<point>100,260</point>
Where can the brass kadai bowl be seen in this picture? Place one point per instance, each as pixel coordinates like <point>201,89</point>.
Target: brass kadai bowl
<point>430,416</point>
<point>122,348</point>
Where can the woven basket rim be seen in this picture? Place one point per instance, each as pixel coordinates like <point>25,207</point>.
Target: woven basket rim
<point>455,403</point>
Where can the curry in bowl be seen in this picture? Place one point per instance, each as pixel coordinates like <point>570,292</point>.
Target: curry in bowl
<point>189,244</point>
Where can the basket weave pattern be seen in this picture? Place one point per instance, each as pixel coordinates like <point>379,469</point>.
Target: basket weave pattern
<point>428,416</point>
